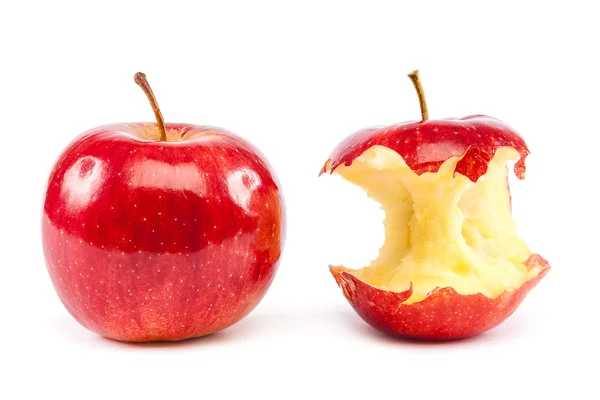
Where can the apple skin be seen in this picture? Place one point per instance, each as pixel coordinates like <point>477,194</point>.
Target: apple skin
<point>424,145</point>
<point>147,240</point>
<point>443,315</point>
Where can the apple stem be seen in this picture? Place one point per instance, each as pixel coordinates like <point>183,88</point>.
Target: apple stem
<point>140,79</point>
<point>416,80</point>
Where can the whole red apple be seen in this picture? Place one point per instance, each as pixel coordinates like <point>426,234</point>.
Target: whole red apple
<point>156,231</point>
<point>452,264</point>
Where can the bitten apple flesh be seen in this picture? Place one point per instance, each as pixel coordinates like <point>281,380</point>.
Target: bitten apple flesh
<point>452,264</point>
<point>161,240</point>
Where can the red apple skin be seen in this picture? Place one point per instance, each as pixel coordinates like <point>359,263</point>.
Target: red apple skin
<point>424,146</point>
<point>443,315</point>
<point>148,240</point>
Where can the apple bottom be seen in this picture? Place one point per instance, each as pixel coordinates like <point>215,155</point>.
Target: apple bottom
<point>443,315</point>
<point>142,296</point>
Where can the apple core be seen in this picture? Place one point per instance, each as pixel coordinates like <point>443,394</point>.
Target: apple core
<point>452,264</point>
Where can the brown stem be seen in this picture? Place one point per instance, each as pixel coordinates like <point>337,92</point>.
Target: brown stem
<point>140,79</point>
<point>414,77</point>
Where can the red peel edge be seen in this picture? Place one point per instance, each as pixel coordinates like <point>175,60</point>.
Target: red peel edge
<point>443,315</point>
<point>425,145</point>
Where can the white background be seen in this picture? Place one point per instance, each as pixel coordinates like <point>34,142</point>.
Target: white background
<point>295,78</point>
